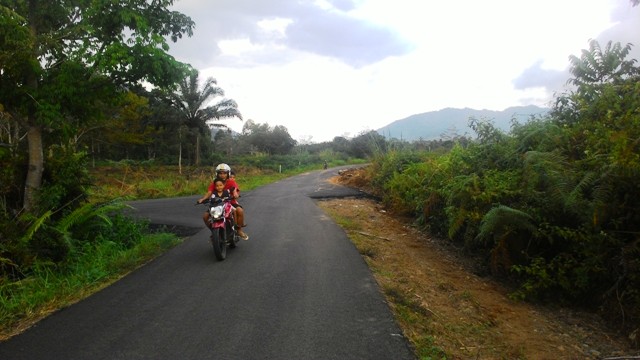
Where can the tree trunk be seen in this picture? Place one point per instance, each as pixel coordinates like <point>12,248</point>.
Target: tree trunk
<point>197,157</point>
<point>180,159</point>
<point>36,167</point>
<point>180,150</point>
<point>34,134</point>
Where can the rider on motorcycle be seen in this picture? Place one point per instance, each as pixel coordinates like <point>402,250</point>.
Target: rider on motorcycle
<point>223,171</point>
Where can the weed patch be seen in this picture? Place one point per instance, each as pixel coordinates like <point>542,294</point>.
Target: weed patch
<point>51,286</point>
<point>447,312</point>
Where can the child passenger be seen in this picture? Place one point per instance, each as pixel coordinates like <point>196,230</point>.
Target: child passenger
<point>220,192</point>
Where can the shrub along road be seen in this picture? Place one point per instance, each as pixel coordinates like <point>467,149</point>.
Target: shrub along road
<point>297,289</point>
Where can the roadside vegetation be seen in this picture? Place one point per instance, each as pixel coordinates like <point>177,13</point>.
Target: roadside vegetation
<point>553,206</point>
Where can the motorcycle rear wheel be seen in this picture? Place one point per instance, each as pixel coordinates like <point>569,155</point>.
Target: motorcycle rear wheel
<point>219,243</point>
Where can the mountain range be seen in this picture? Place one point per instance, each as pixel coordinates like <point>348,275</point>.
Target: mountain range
<point>450,122</point>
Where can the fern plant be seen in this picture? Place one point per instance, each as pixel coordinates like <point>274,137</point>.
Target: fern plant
<point>508,233</point>
<point>88,212</point>
<point>501,221</point>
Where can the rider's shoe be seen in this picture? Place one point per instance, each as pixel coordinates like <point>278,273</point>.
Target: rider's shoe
<point>242,235</point>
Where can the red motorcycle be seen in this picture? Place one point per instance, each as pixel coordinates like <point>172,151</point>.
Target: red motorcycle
<point>222,226</point>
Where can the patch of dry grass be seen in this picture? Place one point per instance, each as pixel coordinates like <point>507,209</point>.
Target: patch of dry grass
<point>445,310</point>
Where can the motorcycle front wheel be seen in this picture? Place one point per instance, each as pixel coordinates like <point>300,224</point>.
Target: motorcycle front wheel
<point>219,243</point>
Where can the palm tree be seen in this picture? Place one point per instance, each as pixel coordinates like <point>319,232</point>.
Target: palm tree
<point>598,66</point>
<point>190,101</point>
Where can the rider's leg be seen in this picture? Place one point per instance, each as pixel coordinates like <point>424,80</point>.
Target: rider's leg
<point>240,222</point>
<point>240,216</point>
<point>205,218</point>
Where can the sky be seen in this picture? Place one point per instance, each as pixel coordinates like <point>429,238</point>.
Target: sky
<point>327,68</point>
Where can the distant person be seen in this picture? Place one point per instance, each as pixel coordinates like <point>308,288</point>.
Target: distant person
<point>325,165</point>
<point>223,172</point>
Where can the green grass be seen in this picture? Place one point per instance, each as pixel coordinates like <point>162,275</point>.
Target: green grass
<point>53,286</point>
<point>132,182</point>
<point>427,350</point>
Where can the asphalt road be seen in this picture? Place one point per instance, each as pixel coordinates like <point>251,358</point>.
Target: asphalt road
<point>298,289</point>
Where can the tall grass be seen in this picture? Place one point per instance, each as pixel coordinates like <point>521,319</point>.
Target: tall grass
<point>52,286</point>
<point>135,182</point>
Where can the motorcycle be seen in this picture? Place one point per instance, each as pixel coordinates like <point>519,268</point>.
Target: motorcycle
<point>222,225</point>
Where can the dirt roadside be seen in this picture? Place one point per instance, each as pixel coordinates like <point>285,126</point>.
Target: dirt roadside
<point>449,312</point>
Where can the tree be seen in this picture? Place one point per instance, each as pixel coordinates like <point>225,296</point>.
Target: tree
<point>124,41</point>
<point>281,142</point>
<point>340,144</point>
<point>582,184</point>
<point>367,143</point>
<point>190,100</point>
<point>596,67</point>
<point>263,138</point>
<point>255,135</point>
<point>224,142</point>
<point>129,128</point>
<point>600,111</point>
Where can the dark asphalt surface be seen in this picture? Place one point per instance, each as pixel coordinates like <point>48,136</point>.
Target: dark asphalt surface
<point>298,289</point>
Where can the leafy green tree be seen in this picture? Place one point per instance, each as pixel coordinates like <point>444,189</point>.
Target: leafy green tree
<point>367,144</point>
<point>280,142</point>
<point>10,162</point>
<point>190,101</point>
<point>266,139</point>
<point>224,142</point>
<point>124,41</point>
<point>129,129</point>
<point>597,67</point>
<point>340,144</point>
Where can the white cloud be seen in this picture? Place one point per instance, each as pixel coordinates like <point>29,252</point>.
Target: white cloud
<point>325,68</point>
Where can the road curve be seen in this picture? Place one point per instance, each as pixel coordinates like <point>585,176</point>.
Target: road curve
<point>298,289</point>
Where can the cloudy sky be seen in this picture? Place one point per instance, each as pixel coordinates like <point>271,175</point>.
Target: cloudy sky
<point>326,68</point>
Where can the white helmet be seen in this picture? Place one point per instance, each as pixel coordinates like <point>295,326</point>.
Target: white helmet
<point>223,168</point>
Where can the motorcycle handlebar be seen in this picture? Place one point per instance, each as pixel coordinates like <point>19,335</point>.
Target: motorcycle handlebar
<point>208,201</point>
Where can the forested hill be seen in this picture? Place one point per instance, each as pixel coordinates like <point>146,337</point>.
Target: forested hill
<point>451,122</point>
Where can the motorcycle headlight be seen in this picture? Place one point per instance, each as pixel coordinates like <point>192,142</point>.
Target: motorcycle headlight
<point>216,212</point>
